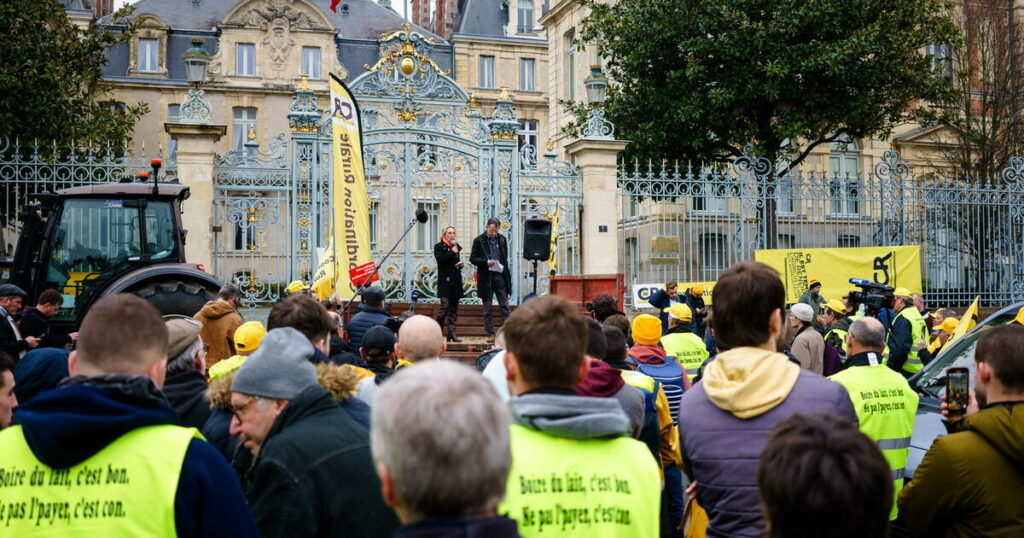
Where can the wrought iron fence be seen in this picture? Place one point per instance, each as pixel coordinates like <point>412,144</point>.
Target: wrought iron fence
<point>27,169</point>
<point>689,223</point>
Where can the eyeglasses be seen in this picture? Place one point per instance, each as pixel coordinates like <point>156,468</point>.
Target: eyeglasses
<point>239,411</point>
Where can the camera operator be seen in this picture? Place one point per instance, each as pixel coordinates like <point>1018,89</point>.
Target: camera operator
<point>908,335</point>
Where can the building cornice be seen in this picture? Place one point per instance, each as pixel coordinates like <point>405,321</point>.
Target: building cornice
<point>539,43</point>
<point>556,12</point>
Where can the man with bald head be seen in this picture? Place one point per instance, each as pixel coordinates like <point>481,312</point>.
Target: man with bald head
<point>419,339</point>
<point>883,400</point>
<point>157,478</point>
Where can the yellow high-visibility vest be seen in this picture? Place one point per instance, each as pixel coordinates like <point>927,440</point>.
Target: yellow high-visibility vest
<point>688,349</point>
<point>918,333</point>
<point>885,406</point>
<point>126,489</point>
<point>566,487</point>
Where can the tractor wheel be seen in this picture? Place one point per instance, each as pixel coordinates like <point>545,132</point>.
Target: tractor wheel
<point>175,297</point>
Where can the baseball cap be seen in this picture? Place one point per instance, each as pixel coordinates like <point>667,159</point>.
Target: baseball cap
<point>698,289</point>
<point>379,337</point>
<point>901,292</point>
<point>296,286</point>
<point>679,311</point>
<point>249,335</point>
<point>949,325</point>
<point>836,306</point>
<point>373,295</point>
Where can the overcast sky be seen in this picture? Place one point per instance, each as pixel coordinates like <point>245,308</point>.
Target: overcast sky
<point>325,4</point>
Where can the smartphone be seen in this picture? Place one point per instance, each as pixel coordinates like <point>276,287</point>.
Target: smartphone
<point>957,385</point>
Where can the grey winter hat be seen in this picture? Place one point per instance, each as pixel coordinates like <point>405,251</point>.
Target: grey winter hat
<point>10,290</point>
<point>802,312</point>
<point>280,368</point>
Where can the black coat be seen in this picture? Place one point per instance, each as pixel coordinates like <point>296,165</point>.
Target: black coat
<point>314,475</point>
<point>365,318</point>
<point>34,323</point>
<point>478,257</point>
<point>449,277</point>
<point>8,341</point>
<point>186,392</point>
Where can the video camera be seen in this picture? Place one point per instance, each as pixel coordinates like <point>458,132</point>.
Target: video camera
<point>875,297</point>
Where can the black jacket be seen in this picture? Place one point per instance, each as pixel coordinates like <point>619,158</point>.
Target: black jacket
<point>478,257</point>
<point>341,353</point>
<point>9,342</point>
<point>900,341</point>
<point>186,392</point>
<point>490,527</point>
<point>314,475</point>
<point>361,322</point>
<point>695,303</point>
<point>449,277</point>
<point>34,323</point>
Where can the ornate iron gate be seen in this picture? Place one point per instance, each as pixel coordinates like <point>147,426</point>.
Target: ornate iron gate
<point>426,146</point>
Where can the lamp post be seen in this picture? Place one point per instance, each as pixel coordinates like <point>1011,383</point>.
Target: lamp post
<point>597,127</point>
<point>195,109</point>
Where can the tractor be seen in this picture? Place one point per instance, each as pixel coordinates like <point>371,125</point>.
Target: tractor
<point>91,241</point>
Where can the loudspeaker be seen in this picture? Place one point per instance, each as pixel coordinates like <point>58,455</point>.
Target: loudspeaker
<point>537,239</point>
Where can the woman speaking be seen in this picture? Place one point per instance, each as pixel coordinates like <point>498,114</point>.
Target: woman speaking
<point>449,281</point>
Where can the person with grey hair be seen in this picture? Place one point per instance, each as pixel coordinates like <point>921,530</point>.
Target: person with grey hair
<point>443,462</point>
<point>312,473</point>
<point>185,385</point>
<point>883,400</point>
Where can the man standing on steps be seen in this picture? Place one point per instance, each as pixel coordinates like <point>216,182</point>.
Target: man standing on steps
<point>493,278</point>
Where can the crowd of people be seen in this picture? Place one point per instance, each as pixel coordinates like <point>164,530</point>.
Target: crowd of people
<point>751,418</point>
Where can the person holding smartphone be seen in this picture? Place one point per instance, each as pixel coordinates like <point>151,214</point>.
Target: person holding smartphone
<point>971,482</point>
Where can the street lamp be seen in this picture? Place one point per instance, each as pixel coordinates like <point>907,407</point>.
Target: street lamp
<point>195,109</point>
<point>597,126</point>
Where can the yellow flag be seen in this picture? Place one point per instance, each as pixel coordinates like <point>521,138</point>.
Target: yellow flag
<point>553,258</point>
<point>351,240</point>
<point>324,277</point>
<point>967,322</point>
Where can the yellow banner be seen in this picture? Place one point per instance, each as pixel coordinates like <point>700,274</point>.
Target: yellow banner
<point>323,277</point>
<point>553,257</point>
<point>351,241</point>
<point>642,292</point>
<point>967,322</point>
<point>834,267</point>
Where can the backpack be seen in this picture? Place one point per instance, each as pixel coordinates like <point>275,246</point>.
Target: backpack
<point>671,375</point>
<point>832,361</point>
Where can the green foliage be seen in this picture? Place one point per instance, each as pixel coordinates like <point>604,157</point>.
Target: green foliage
<point>699,80</point>
<point>52,78</point>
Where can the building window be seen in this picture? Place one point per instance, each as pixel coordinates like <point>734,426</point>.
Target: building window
<point>711,194</point>
<point>784,196</point>
<point>714,255</point>
<point>527,74</point>
<point>245,59</point>
<point>374,211</point>
<point>148,58</point>
<point>529,135</point>
<point>173,111</point>
<point>848,241</point>
<point>569,42</point>
<point>844,167</point>
<point>429,233</point>
<point>486,72</point>
<point>244,120</point>
<point>942,60</point>
<point>311,61</point>
<point>786,241</point>
<point>525,17</point>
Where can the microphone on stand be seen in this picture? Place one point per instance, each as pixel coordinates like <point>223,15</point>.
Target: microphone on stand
<point>421,216</point>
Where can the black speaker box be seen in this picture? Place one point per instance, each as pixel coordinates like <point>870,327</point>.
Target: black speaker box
<point>537,239</point>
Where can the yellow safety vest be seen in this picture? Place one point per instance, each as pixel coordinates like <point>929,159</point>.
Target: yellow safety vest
<point>841,334</point>
<point>918,332</point>
<point>688,349</point>
<point>885,406</point>
<point>126,489</point>
<point>566,487</point>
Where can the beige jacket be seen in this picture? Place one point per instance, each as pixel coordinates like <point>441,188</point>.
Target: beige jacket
<point>809,348</point>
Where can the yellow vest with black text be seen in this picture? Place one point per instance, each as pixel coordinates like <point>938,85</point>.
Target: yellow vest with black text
<point>918,332</point>
<point>126,489</point>
<point>688,349</point>
<point>592,488</point>
<point>885,406</point>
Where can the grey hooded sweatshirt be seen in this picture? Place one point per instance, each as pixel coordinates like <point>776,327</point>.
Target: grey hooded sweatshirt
<point>569,415</point>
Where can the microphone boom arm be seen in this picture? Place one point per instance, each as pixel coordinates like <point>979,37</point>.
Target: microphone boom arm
<point>376,266</point>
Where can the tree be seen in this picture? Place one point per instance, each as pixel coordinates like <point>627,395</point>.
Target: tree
<point>701,79</point>
<point>52,75</point>
<point>984,120</point>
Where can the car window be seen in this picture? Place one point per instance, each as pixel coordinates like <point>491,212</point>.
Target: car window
<point>961,354</point>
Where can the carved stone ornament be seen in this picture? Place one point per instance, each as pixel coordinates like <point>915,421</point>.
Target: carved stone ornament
<point>277,19</point>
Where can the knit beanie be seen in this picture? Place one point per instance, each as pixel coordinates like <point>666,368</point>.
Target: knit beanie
<point>280,368</point>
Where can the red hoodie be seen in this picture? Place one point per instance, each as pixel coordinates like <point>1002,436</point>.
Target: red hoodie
<point>602,381</point>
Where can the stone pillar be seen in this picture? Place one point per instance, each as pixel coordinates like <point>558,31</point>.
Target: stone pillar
<point>597,161</point>
<point>195,170</point>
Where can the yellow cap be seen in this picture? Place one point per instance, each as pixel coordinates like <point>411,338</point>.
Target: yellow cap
<point>836,306</point>
<point>949,325</point>
<point>646,330</point>
<point>249,335</point>
<point>1020,316</point>
<point>901,292</point>
<point>698,289</point>
<point>226,366</point>
<point>679,311</point>
<point>296,286</point>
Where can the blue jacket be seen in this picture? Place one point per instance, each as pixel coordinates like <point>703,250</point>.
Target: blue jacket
<point>900,341</point>
<point>67,425</point>
<point>367,317</point>
<point>661,301</point>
